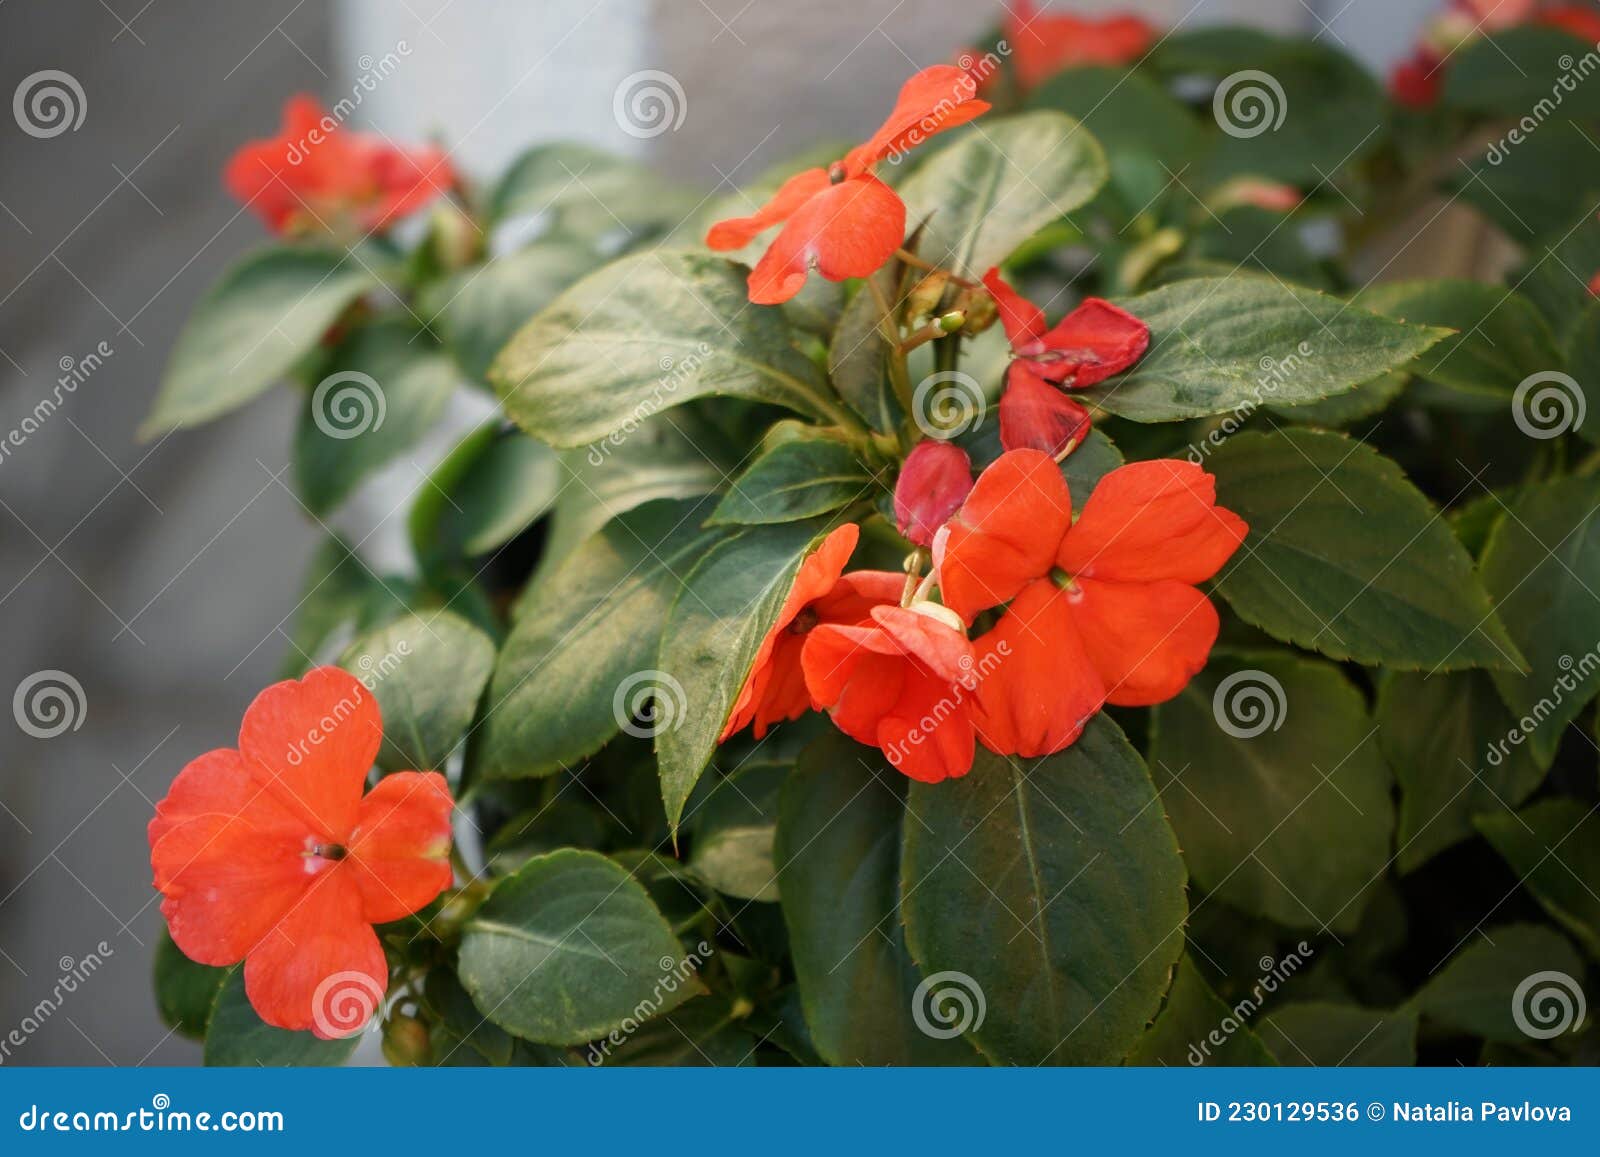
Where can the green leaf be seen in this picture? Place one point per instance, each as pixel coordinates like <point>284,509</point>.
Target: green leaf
<point>704,1033</point>
<point>479,310</point>
<point>489,489</point>
<point>1583,364</point>
<point>185,991</point>
<point>858,355</point>
<point>428,673</point>
<point>1513,186</point>
<point>1365,400</point>
<point>1501,337</point>
<point>462,1024</point>
<point>985,194</point>
<point>582,650</point>
<point>1554,848</point>
<point>797,479</point>
<point>1345,556</point>
<point>1542,568</point>
<point>644,333</point>
<point>384,389</point>
<point>1269,768</point>
<point>838,853</point>
<point>1326,1035</point>
<point>236,1036</point>
<point>1495,982</point>
<point>1223,344</point>
<point>729,601</point>
<point>1055,888</point>
<point>250,329</point>
<point>1196,1028</point>
<point>1515,73</point>
<point>339,592</point>
<point>590,192</point>
<point>733,832</point>
<point>1126,112</point>
<point>1450,739</point>
<point>569,949</point>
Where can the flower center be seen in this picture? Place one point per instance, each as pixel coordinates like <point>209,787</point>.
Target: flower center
<point>1063,580</point>
<point>333,852</point>
<point>804,621</point>
<point>836,172</point>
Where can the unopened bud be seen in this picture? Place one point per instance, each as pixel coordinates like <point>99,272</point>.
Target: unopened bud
<point>952,321</point>
<point>926,295</point>
<point>932,485</point>
<point>980,311</point>
<point>405,1041</point>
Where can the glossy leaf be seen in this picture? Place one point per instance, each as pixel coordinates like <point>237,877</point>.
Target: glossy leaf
<point>489,489</point>
<point>797,479</point>
<point>733,832</point>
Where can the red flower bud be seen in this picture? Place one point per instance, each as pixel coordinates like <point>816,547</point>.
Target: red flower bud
<point>933,483</point>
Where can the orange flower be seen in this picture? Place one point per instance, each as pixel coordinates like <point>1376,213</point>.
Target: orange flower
<point>843,221</point>
<point>316,175</point>
<point>1103,610</point>
<point>272,855</point>
<point>902,682</point>
<point>775,689</point>
<point>1042,45</point>
<point>1581,21</point>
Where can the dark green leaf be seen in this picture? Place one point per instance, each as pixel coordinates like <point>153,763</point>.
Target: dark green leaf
<point>838,856</point>
<point>1345,556</point>
<point>1269,768</point>
<point>1234,343</point>
<point>1126,112</point>
<point>1319,1034</point>
<point>1554,848</point>
<point>1053,888</point>
<point>590,192</point>
<point>733,832</point>
<point>797,479</point>
<point>1513,186</point>
<point>704,1033</point>
<point>490,488</point>
<point>1510,979</point>
<point>185,991</point>
<point>1516,73</point>
<point>250,329</point>
<point>1196,1028</point>
<point>569,949</point>
<point>1365,400</point>
<point>236,1036</point>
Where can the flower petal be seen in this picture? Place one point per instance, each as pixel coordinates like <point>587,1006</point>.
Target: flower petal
<point>1006,533</point>
<point>312,742</point>
<point>937,98</point>
<point>218,783</point>
<point>1023,321</point>
<point>1152,520</point>
<point>855,673</point>
<point>935,479</point>
<point>400,849</point>
<point>1147,640</point>
<point>737,232</point>
<point>1035,415</point>
<point>929,734</point>
<point>1036,685</point>
<point>1093,342</point>
<point>848,230</point>
<point>1043,45</point>
<point>322,967</point>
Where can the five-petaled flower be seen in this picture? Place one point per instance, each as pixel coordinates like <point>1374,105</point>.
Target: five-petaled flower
<point>1101,610</point>
<point>270,853</point>
<point>775,689</point>
<point>317,176</point>
<point>1091,343</point>
<point>843,221</point>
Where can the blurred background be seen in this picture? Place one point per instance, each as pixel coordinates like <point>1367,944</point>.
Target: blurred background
<point>159,577</point>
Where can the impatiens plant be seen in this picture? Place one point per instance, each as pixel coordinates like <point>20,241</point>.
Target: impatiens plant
<point>1034,586</point>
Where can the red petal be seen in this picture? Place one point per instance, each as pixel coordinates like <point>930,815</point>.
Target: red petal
<point>935,99</point>
<point>834,657</point>
<point>737,232</point>
<point>848,230</point>
<point>929,733</point>
<point>935,479</point>
<point>218,783</point>
<point>1147,640</point>
<point>816,577</point>
<point>1584,23</point>
<point>1045,45</point>
<point>227,880</point>
<point>1035,415</point>
<point>322,968</point>
<point>312,742</point>
<point>1036,685</point>
<point>1006,533</point>
<point>1149,521</point>
<point>1094,341</point>
<point>1023,321</point>
<point>400,849</point>
<point>933,646</point>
